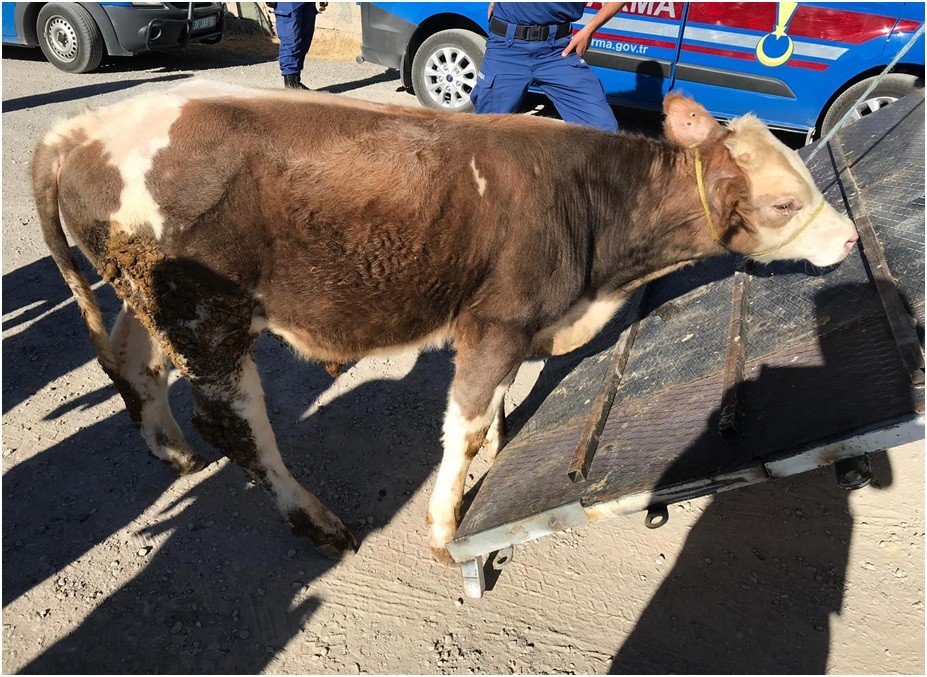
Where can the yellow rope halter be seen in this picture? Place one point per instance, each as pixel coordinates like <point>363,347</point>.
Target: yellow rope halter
<point>711,224</point>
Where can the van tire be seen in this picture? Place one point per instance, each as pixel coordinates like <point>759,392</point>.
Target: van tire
<point>893,86</point>
<point>79,46</point>
<point>471,46</point>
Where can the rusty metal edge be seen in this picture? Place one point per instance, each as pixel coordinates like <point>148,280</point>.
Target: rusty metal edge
<point>598,413</point>
<point>734,362</point>
<point>884,435</point>
<point>900,322</point>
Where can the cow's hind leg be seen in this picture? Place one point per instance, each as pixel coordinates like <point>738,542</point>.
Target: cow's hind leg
<point>142,381</point>
<point>485,369</point>
<point>230,414</point>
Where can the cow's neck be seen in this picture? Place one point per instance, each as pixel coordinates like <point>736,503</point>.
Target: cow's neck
<point>646,216</point>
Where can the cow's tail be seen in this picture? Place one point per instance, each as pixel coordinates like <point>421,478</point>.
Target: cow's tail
<point>46,166</point>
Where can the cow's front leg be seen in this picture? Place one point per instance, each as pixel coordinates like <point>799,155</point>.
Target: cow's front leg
<point>578,326</point>
<point>496,435</point>
<point>484,372</point>
<point>230,414</point>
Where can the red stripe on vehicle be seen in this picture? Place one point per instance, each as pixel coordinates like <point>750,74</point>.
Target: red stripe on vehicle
<point>819,23</point>
<point>658,10</point>
<point>749,56</point>
<point>634,40</point>
<point>810,65</point>
<point>907,26</point>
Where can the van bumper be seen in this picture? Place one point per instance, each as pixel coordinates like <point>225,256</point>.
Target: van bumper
<point>165,27</point>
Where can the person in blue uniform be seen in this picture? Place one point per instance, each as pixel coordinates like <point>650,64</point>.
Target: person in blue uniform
<point>295,27</point>
<point>533,42</point>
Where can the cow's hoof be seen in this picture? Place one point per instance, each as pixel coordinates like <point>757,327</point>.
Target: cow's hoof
<point>333,368</point>
<point>186,464</point>
<point>340,547</point>
<point>442,556</point>
<point>189,465</point>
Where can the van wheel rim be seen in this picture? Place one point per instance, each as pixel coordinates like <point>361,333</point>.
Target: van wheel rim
<point>61,38</point>
<point>450,76</point>
<point>871,106</point>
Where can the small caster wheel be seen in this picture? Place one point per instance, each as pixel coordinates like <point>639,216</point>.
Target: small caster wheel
<point>854,473</point>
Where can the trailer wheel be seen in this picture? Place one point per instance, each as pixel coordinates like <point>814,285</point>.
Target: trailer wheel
<point>892,87</point>
<point>69,37</point>
<point>444,69</point>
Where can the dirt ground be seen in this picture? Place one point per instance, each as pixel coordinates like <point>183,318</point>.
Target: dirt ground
<point>110,564</point>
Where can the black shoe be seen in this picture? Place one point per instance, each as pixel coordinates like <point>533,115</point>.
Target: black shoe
<point>293,82</point>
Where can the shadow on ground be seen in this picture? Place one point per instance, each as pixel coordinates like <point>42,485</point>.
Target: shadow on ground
<point>759,575</point>
<point>233,51</point>
<point>81,92</point>
<point>219,594</point>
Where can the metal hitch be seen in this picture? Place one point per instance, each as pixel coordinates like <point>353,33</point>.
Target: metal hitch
<point>657,516</point>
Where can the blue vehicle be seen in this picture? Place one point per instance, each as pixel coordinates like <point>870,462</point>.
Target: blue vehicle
<point>799,67</point>
<point>74,36</point>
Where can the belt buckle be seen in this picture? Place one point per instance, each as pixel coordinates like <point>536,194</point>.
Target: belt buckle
<point>534,32</point>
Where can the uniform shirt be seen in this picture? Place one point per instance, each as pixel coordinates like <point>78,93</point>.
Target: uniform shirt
<point>538,13</point>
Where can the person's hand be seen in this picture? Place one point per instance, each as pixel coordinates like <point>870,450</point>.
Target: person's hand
<point>323,6</point>
<point>579,43</point>
<point>489,11</point>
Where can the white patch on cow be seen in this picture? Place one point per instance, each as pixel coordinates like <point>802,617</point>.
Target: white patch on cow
<point>494,437</point>
<point>825,240</point>
<point>258,324</point>
<point>143,365</point>
<point>480,181</point>
<point>578,326</point>
<point>131,133</point>
<point>448,491</point>
<point>310,349</point>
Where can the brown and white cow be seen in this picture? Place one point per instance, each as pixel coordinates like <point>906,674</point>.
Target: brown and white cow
<point>352,229</point>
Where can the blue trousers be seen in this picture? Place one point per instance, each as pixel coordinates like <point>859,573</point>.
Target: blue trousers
<point>511,66</point>
<point>295,26</point>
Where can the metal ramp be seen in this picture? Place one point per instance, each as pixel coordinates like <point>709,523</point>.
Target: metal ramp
<point>731,372</point>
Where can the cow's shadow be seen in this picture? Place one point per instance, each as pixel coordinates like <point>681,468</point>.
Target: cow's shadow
<point>223,592</point>
<point>764,568</point>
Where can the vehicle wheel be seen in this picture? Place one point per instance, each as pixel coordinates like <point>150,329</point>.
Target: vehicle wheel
<point>69,37</point>
<point>893,87</point>
<point>444,69</point>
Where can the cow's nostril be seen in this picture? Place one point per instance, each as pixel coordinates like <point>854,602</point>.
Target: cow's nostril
<point>848,245</point>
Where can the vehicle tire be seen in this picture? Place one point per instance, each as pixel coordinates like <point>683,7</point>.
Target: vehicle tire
<point>444,69</point>
<point>69,37</point>
<point>892,87</point>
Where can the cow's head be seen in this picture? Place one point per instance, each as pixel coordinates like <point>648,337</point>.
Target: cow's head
<point>772,208</point>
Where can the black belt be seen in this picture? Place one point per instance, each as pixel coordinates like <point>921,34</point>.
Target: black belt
<point>532,33</point>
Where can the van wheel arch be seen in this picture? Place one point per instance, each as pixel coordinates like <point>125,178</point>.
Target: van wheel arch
<point>902,68</point>
<point>430,26</point>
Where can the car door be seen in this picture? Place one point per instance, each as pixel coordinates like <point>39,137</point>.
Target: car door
<point>633,53</point>
<point>9,24</point>
<point>782,61</point>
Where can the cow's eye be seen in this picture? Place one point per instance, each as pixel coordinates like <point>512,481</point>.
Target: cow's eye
<point>785,206</point>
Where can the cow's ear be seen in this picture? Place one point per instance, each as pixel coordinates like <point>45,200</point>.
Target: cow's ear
<point>688,123</point>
